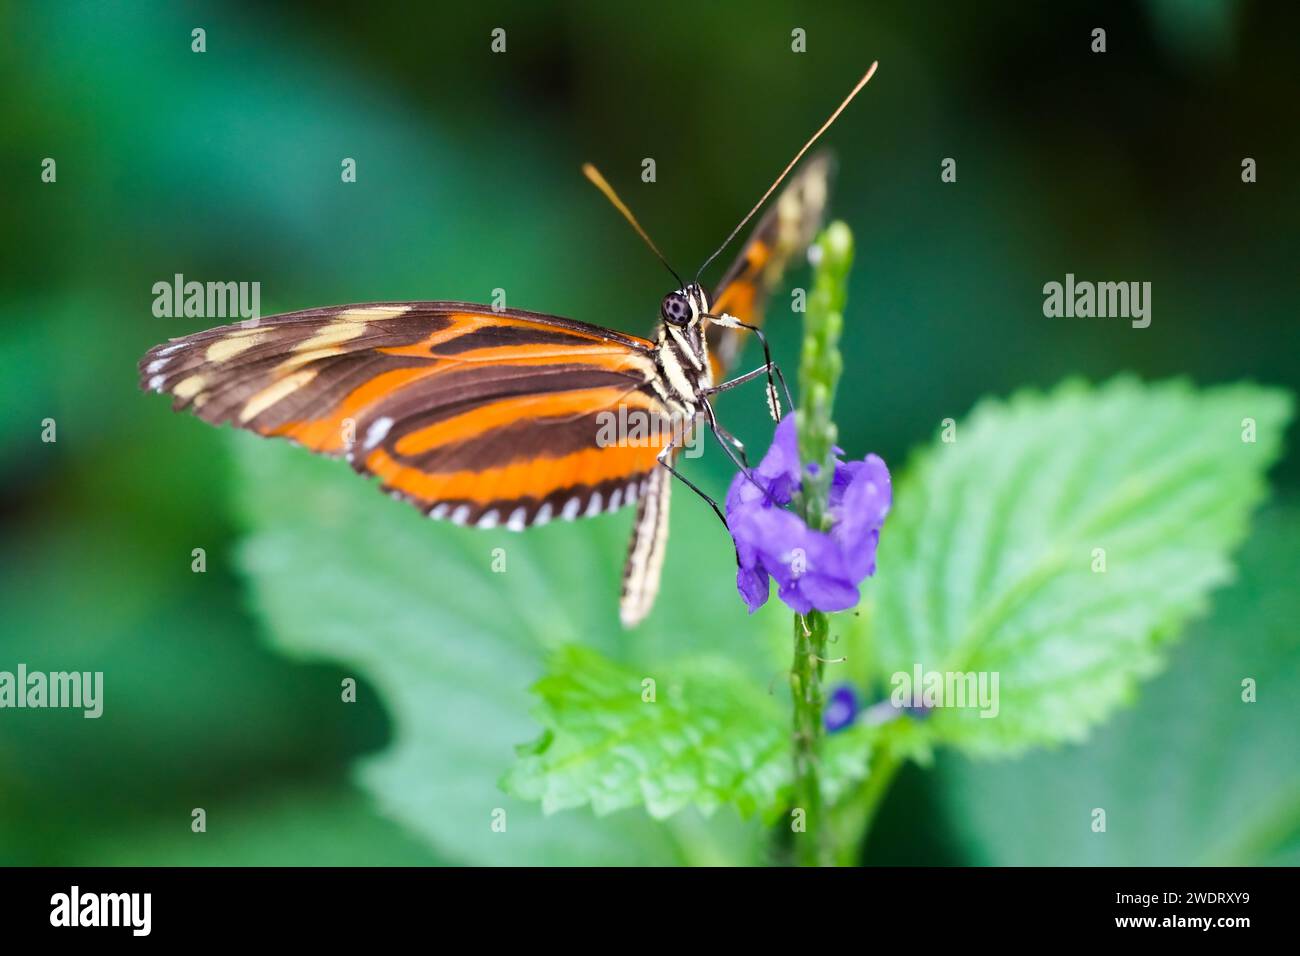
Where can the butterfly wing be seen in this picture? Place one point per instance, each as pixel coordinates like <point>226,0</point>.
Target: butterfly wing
<point>781,237</point>
<point>471,414</point>
<point>646,550</point>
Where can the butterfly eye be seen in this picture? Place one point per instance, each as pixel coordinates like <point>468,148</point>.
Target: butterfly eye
<point>675,309</point>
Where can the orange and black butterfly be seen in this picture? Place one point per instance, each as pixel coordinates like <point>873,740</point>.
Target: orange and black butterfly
<point>492,417</point>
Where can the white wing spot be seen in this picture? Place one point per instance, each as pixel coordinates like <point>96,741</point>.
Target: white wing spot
<point>156,383</point>
<point>171,348</point>
<point>156,365</point>
<point>571,508</point>
<point>376,432</point>
<point>594,505</point>
<point>631,493</point>
<point>488,519</point>
<point>616,499</point>
<point>518,519</point>
<point>440,510</point>
<point>460,515</point>
<point>543,514</point>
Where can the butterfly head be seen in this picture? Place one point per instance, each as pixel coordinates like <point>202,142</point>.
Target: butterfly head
<point>684,307</point>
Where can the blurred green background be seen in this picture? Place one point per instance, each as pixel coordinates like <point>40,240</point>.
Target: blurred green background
<point>225,165</point>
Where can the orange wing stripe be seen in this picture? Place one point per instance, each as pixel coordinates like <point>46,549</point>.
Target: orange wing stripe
<point>466,323</point>
<point>326,434</point>
<point>523,479</point>
<point>601,356</point>
<point>519,408</point>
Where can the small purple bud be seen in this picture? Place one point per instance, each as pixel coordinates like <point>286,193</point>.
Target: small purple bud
<point>841,709</point>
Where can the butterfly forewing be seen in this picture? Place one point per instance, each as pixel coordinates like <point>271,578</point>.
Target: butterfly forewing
<point>475,415</point>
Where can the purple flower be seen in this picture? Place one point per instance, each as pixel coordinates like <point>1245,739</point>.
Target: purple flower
<point>813,569</point>
<point>841,709</point>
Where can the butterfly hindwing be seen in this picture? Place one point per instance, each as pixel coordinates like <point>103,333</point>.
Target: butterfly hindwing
<point>475,415</point>
<point>646,549</point>
<point>781,237</point>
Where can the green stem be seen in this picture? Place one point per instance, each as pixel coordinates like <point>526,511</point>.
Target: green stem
<point>819,372</point>
<point>813,846</point>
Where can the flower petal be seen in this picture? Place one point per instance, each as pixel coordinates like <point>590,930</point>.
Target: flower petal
<point>861,514</point>
<point>827,593</point>
<point>779,469</point>
<point>754,586</point>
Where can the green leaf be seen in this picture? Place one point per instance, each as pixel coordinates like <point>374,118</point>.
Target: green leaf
<point>1193,775</point>
<point>710,736</point>
<point>414,608</point>
<point>990,561</point>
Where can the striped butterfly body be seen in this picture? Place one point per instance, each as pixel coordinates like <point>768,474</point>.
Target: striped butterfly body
<point>502,417</point>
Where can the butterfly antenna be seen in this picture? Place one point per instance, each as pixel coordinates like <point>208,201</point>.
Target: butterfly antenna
<point>785,172</point>
<point>597,180</point>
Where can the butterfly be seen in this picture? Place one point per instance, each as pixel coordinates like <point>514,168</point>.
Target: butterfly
<point>500,417</point>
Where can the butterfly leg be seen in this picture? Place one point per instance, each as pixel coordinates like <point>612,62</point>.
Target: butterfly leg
<point>770,367</point>
<point>720,433</point>
<point>725,438</point>
<point>738,380</point>
<point>665,459</point>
